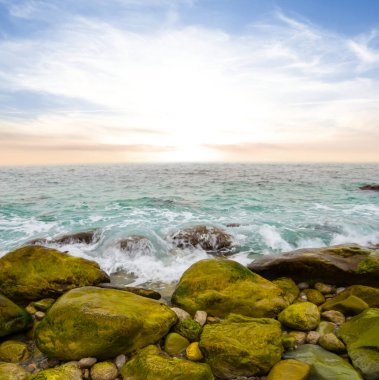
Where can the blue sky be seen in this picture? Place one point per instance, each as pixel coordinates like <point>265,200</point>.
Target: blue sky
<point>183,80</point>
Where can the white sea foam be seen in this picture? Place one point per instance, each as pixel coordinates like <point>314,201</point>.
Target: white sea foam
<point>273,239</point>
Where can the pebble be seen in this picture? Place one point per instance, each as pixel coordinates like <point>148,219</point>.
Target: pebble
<point>213,320</point>
<point>339,290</point>
<point>324,288</point>
<point>120,361</point>
<point>313,337</point>
<point>333,316</point>
<point>303,285</point>
<point>87,362</point>
<point>104,371</point>
<point>180,313</point>
<point>31,309</point>
<point>200,317</point>
<point>39,315</point>
<point>300,336</point>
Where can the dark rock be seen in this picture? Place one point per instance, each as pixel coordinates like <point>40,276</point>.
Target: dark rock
<point>341,265</point>
<point>133,245</point>
<point>83,237</point>
<point>148,293</point>
<point>370,187</point>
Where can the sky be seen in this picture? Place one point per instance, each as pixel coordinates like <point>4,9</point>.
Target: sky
<point>101,81</point>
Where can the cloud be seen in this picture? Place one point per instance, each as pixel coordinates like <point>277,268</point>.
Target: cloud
<point>281,83</point>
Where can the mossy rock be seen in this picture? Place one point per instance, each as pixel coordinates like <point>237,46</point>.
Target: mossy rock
<point>189,328</point>
<point>14,351</point>
<point>303,316</point>
<point>10,371</point>
<point>175,343</point>
<point>194,353</point>
<point>351,305</point>
<point>242,346</point>
<point>68,371</point>
<point>361,335</point>
<point>151,364</point>
<point>345,264</point>
<point>101,323</point>
<point>326,327</point>
<point>289,369</point>
<point>33,272</point>
<point>104,371</point>
<point>43,304</point>
<point>325,365</point>
<point>314,296</point>
<point>291,291</point>
<point>13,318</point>
<point>220,287</point>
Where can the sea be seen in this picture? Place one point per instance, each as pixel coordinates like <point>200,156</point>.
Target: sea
<point>267,208</point>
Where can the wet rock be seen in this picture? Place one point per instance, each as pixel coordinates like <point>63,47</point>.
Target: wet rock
<point>210,239</point>
<point>289,369</point>
<point>148,293</point>
<point>369,187</point>
<point>13,318</point>
<point>104,371</point>
<point>341,265</point>
<point>189,328</point>
<point>351,305</point>
<point>291,291</point>
<point>101,323</point>
<point>87,362</point>
<point>83,237</point>
<point>9,371</point>
<point>150,363</point>
<point>194,353</point>
<point>180,313</point>
<point>333,316</point>
<point>68,371</point>
<point>14,351</point>
<point>331,343</point>
<point>33,272</point>
<point>136,245</point>
<point>313,337</point>
<point>301,316</point>
<point>175,343</point>
<point>231,225</point>
<point>241,346</point>
<point>200,317</point>
<point>220,286</point>
<point>314,296</point>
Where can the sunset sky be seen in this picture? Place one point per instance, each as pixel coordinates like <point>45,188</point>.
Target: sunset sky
<point>189,80</point>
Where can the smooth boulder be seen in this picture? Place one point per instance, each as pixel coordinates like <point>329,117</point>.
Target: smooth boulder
<point>303,316</point>
<point>33,272</point>
<point>220,287</point>
<point>101,323</point>
<point>241,346</point>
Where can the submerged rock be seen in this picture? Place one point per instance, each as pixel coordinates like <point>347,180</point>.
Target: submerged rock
<point>101,323</point>
<point>13,318</point>
<point>151,364</point>
<point>341,265</point>
<point>242,346</point>
<point>220,286</point>
<point>210,239</point>
<point>33,272</point>
<point>369,187</point>
<point>134,245</point>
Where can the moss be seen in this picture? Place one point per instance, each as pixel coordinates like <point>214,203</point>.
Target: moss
<point>351,305</point>
<point>301,316</point>
<point>189,328</point>
<point>43,304</point>
<point>314,296</point>
<point>68,371</point>
<point>291,291</point>
<point>175,343</point>
<point>370,264</point>
<point>14,351</point>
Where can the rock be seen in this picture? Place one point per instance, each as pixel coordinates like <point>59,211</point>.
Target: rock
<point>231,225</point>
<point>325,365</point>
<point>102,323</point>
<point>331,343</point>
<point>241,346</point>
<point>210,239</point>
<point>44,304</point>
<point>136,246</point>
<point>211,320</point>
<point>326,328</point>
<point>68,371</point>
<point>289,342</point>
<point>13,318</point>
<point>33,272</point>
<point>120,361</point>
<point>194,353</point>
<point>314,296</point>
<point>220,286</point>
<point>148,293</point>
<point>324,288</point>
<point>9,371</point>
<point>189,328</point>
<point>341,265</point>
<point>104,371</point>
<point>39,315</point>
<point>302,316</point>
<point>14,351</point>
<point>83,237</point>
<point>369,187</point>
<point>291,291</point>
<point>300,337</point>
<point>289,369</point>
<point>333,316</point>
<point>351,305</point>
<point>150,363</point>
<point>175,343</point>
<point>31,309</point>
<point>180,313</point>
<point>302,285</point>
<point>313,337</point>
<point>200,317</point>
<point>361,336</point>
<point>87,362</point>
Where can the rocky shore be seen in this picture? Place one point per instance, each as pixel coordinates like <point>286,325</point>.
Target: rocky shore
<point>308,314</point>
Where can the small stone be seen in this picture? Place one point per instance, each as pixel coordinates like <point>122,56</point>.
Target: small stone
<point>85,373</point>
<point>31,309</point>
<point>324,288</point>
<point>314,296</point>
<point>331,343</point>
<point>14,351</point>
<point>326,327</point>
<point>289,342</point>
<point>175,343</point>
<point>200,317</point>
<point>87,362</point>
<point>120,361</point>
<point>329,296</point>
<point>193,352</point>
<point>333,316</point>
<point>313,337</point>
<point>213,320</point>
<point>289,369</point>
<point>189,328</point>
<point>303,285</point>
<point>104,371</point>
<point>339,290</point>
<point>300,336</point>
<point>39,315</point>
<point>180,313</point>
<point>43,304</point>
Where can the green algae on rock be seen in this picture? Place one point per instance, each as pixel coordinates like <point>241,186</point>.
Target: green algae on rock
<point>242,346</point>
<point>14,351</point>
<point>291,291</point>
<point>302,316</point>
<point>101,323</point>
<point>10,371</point>
<point>43,304</point>
<point>314,296</point>
<point>289,369</point>
<point>151,364</point>
<point>13,318</point>
<point>31,273</point>
<point>175,343</point>
<point>324,364</point>
<point>189,328</point>
<point>104,371</point>
<point>220,287</point>
<point>351,305</point>
<point>68,371</point>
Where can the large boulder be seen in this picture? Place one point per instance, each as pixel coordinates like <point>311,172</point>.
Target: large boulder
<point>151,364</point>
<point>220,286</point>
<point>33,272</point>
<point>101,323</point>
<point>210,239</point>
<point>340,265</point>
<point>324,364</point>
<point>13,318</point>
<point>242,346</point>
<point>361,335</point>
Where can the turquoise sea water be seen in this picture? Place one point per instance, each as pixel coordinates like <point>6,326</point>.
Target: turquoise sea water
<point>279,208</point>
